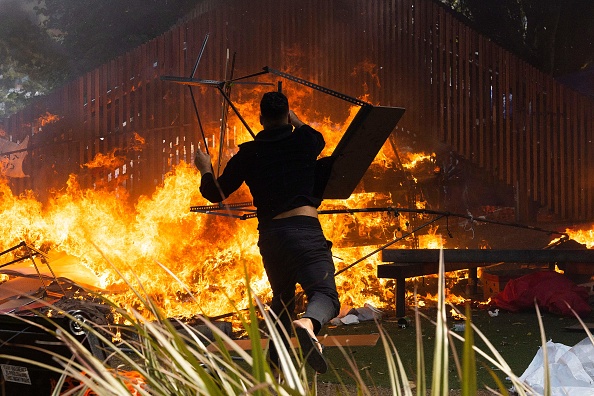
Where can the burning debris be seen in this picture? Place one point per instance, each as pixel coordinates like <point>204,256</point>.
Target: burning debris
<point>41,284</point>
<point>107,239</point>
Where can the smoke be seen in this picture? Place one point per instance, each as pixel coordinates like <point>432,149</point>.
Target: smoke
<point>13,8</point>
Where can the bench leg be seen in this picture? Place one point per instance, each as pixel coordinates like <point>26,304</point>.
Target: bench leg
<point>400,297</point>
<point>471,287</point>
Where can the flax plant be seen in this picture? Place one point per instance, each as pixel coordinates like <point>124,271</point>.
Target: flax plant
<point>169,357</point>
<point>439,383</point>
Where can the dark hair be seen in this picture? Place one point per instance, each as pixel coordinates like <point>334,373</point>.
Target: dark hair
<point>274,105</point>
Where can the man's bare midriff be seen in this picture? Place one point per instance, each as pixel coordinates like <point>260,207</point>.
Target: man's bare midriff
<point>300,211</point>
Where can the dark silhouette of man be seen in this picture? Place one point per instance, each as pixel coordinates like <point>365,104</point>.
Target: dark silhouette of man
<point>279,166</point>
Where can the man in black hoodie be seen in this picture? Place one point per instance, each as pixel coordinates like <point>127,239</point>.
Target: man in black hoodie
<point>279,166</point>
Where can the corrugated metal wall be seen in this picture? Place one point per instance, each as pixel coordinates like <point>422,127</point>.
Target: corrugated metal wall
<point>459,89</point>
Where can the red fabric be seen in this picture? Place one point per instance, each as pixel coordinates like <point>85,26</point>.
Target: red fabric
<point>551,291</point>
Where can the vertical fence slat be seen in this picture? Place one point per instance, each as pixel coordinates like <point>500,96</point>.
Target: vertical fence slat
<point>440,72</point>
<point>548,165</point>
<point>580,142</point>
<point>467,58</point>
<point>540,129</point>
<point>506,125</point>
<point>491,116</point>
<point>588,157</point>
<point>482,86</point>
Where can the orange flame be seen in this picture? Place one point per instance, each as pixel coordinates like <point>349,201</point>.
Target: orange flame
<point>108,161</point>
<point>48,118</point>
<point>584,236</point>
<point>411,160</point>
<point>212,259</point>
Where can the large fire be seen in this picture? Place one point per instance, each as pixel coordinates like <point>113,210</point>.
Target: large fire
<point>191,263</point>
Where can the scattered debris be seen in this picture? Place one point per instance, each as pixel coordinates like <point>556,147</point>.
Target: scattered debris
<point>570,369</point>
<point>551,290</point>
<point>356,315</point>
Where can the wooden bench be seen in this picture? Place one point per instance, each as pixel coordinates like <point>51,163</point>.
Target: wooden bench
<point>403,263</point>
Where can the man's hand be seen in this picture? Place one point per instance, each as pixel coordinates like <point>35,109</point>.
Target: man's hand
<point>202,162</point>
<point>294,120</point>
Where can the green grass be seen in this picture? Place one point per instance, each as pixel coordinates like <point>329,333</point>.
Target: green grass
<point>516,336</point>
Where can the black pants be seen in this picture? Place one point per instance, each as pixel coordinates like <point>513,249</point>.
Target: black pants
<point>294,250</point>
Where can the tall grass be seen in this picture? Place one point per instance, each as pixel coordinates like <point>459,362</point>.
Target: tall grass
<point>160,357</point>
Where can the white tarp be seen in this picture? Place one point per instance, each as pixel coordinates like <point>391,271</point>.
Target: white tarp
<point>12,156</point>
<point>571,369</point>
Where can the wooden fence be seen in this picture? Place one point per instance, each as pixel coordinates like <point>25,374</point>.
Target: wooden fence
<point>459,88</point>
